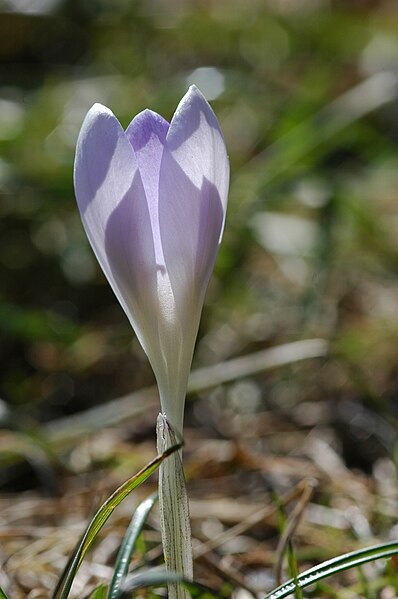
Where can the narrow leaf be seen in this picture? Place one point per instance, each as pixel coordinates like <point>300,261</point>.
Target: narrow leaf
<point>199,591</point>
<point>160,577</point>
<point>294,570</point>
<point>130,539</point>
<point>2,594</point>
<point>334,566</point>
<point>64,585</point>
<point>99,592</point>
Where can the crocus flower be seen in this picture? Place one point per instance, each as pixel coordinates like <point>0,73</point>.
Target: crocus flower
<point>152,200</point>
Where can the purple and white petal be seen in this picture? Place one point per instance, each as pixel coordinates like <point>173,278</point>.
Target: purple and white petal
<point>197,144</point>
<point>147,135</point>
<point>193,188</point>
<point>153,201</point>
<point>115,215</point>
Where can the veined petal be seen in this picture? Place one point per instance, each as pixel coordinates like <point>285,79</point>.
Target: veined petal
<point>147,135</point>
<point>115,215</point>
<point>193,186</point>
<point>153,201</point>
<point>197,144</point>
<point>102,148</point>
<point>131,257</point>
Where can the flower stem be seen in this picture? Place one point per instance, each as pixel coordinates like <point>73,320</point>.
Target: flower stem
<point>174,511</point>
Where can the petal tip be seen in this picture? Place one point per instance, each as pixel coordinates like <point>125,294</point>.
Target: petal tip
<point>149,116</point>
<point>98,109</point>
<point>192,93</point>
<point>144,126</point>
<point>194,89</point>
<point>147,112</point>
<point>96,113</point>
<point>187,117</point>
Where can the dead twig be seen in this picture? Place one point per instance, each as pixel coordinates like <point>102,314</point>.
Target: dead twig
<point>292,524</point>
<point>251,520</point>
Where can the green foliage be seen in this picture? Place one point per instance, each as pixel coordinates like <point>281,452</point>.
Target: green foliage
<point>331,567</point>
<point>308,107</point>
<point>128,545</point>
<point>306,104</point>
<point>100,592</point>
<point>294,571</point>
<point>158,577</point>
<point>105,511</point>
<point>30,325</point>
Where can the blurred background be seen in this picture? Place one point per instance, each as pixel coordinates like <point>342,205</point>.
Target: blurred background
<point>306,92</point>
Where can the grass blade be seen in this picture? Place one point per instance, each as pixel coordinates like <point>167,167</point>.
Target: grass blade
<point>294,570</point>
<point>64,585</point>
<point>160,577</point>
<point>130,539</point>
<point>2,594</point>
<point>99,592</point>
<point>334,566</point>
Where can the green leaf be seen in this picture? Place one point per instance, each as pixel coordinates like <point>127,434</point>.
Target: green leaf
<point>157,576</point>
<point>128,545</point>
<point>65,583</point>
<point>2,594</point>
<point>160,577</point>
<point>199,591</point>
<point>99,592</point>
<point>334,566</point>
<point>33,325</point>
<point>294,570</point>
